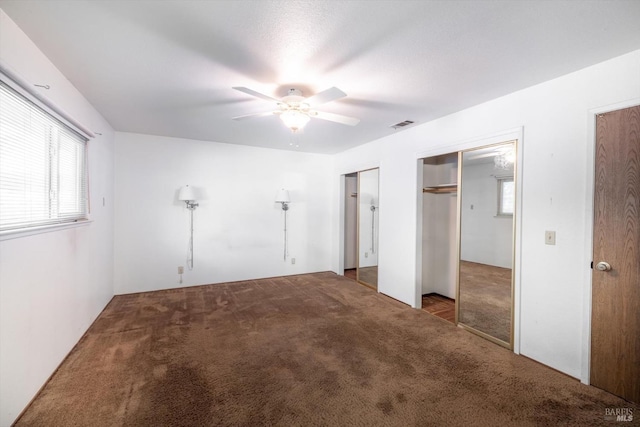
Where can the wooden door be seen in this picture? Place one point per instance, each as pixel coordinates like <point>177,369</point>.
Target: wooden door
<point>615,317</point>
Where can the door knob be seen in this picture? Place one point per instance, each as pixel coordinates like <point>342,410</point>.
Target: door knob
<point>603,266</point>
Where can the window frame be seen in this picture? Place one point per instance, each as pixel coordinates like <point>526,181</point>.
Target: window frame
<point>500,205</point>
<point>60,221</point>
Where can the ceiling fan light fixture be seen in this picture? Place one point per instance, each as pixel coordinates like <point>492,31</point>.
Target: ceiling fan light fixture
<point>294,119</point>
<point>295,110</point>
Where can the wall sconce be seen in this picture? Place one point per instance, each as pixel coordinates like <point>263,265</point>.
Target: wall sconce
<point>283,198</point>
<point>188,195</point>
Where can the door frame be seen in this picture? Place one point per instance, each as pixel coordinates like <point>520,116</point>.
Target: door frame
<point>345,198</point>
<point>468,144</point>
<point>585,371</point>
<point>342,207</point>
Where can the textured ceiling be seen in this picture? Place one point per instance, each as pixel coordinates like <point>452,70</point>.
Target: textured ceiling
<point>167,67</point>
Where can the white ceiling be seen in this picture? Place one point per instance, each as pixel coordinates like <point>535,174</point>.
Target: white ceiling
<point>167,67</point>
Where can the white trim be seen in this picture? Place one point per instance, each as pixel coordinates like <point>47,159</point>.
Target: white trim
<point>467,144</point>
<point>31,231</point>
<point>517,242</point>
<point>341,225</point>
<point>585,369</point>
<point>417,303</point>
<point>364,166</point>
<point>491,139</point>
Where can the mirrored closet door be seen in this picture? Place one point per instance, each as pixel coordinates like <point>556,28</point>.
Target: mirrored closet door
<point>368,212</point>
<point>486,239</point>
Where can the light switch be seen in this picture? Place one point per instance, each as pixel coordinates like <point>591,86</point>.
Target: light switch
<point>550,237</point>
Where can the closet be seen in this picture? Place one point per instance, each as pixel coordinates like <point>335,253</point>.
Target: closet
<point>361,227</point>
<point>439,228</point>
<point>468,239</point>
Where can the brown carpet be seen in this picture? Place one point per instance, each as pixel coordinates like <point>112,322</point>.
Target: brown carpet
<point>369,275</point>
<point>485,299</point>
<point>304,350</point>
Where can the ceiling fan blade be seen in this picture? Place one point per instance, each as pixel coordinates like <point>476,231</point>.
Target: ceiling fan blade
<point>251,116</point>
<point>338,118</point>
<point>256,94</point>
<point>325,96</point>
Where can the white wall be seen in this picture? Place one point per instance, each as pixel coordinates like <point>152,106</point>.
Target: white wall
<point>555,196</point>
<point>439,227</point>
<point>484,237</point>
<point>52,285</point>
<point>238,228</point>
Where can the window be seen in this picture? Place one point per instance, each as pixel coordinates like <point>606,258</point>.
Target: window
<point>506,196</point>
<point>43,167</point>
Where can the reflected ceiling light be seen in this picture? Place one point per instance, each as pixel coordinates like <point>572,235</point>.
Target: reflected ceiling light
<point>510,156</point>
<point>505,159</point>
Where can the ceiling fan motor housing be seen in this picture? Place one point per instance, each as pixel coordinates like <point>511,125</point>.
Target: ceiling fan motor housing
<point>294,92</point>
<point>294,101</point>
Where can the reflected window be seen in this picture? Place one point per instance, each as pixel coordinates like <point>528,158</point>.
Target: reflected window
<point>506,196</point>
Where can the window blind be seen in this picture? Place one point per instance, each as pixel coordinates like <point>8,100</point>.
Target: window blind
<point>43,173</point>
<point>506,196</point>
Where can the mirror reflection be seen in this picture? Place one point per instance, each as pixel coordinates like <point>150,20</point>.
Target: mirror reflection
<point>487,201</point>
<point>368,212</point>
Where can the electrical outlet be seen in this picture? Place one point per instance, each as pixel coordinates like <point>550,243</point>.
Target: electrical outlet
<point>181,270</point>
<point>293,260</point>
<point>366,254</point>
<point>550,237</point>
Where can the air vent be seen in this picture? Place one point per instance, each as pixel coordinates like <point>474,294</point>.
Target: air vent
<point>402,124</point>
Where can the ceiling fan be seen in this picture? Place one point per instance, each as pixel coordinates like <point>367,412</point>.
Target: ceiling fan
<point>295,110</point>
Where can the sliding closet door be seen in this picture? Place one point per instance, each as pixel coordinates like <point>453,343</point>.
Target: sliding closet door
<point>368,212</point>
<point>486,254</point>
